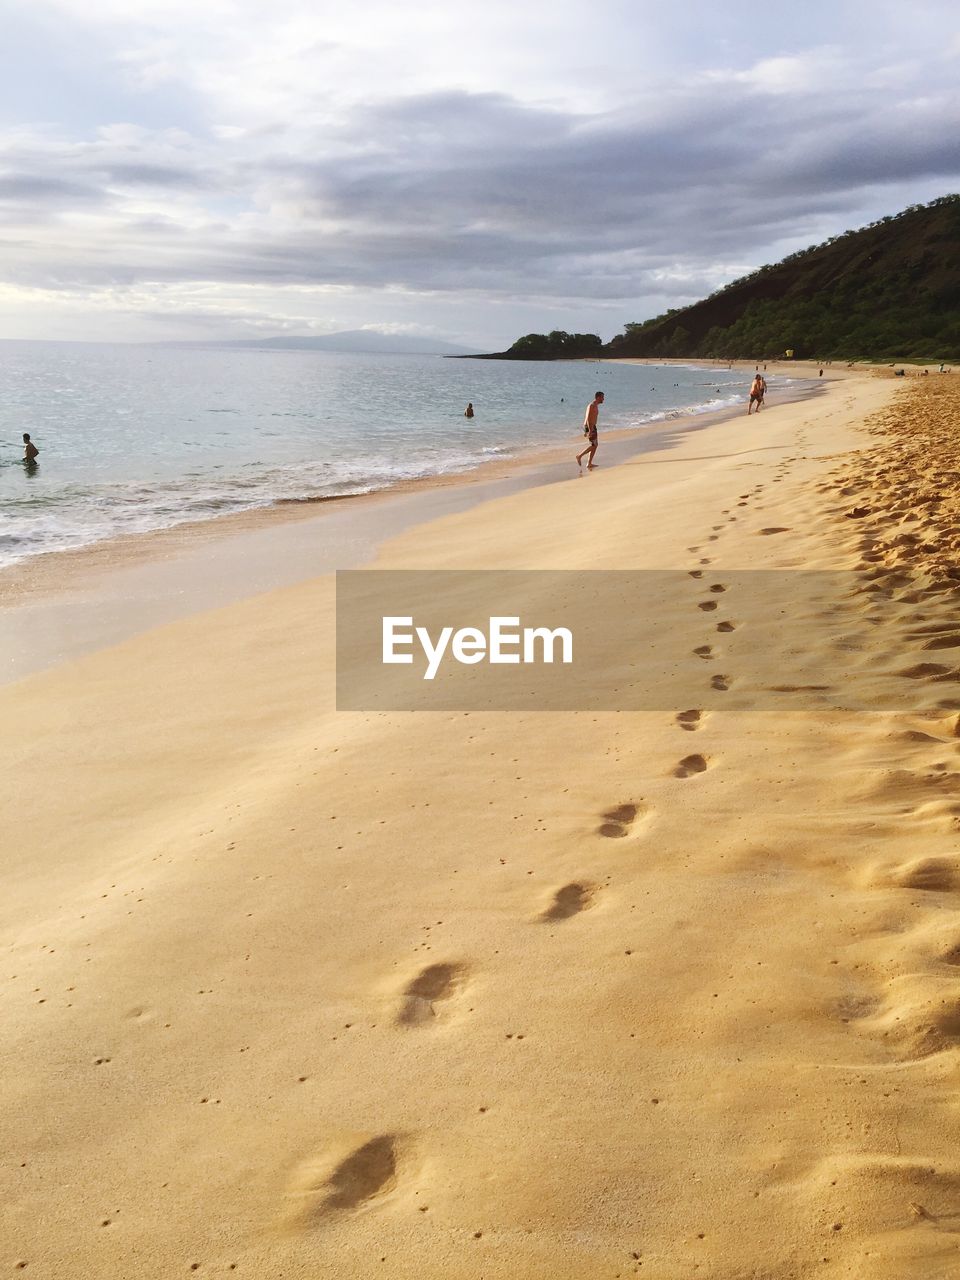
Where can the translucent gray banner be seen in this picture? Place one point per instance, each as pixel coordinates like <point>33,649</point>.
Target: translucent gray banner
<point>623,640</point>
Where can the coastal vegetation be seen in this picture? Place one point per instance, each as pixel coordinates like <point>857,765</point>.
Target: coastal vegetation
<point>557,345</point>
<point>888,290</point>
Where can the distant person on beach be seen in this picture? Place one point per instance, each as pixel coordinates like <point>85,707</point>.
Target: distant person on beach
<point>468,411</point>
<point>756,394</point>
<point>30,450</point>
<point>590,430</point>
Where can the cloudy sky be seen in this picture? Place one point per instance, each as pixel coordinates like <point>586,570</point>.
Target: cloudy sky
<point>233,168</point>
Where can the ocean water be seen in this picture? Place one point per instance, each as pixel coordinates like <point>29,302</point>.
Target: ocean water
<point>138,438</point>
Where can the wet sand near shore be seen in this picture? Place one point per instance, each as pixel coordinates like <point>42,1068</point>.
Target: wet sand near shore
<point>295,992</point>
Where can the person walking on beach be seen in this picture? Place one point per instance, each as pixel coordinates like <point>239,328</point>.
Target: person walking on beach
<point>30,450</point>
<point>756,394</point>
<point>590,431</point>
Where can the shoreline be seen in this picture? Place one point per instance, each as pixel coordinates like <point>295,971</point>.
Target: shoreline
<point>69,603</point>
<point>125,548</point>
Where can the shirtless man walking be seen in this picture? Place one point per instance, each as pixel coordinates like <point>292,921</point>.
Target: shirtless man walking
<point>756,394</point>
<point>590,431</point>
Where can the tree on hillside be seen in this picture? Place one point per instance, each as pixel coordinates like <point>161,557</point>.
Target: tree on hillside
<point>557,345</point>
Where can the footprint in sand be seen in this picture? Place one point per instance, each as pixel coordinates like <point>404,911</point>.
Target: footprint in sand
<point>689,766</point>
<point>915,1183</point>
<point>343,1180</point>
<point>695,573</point>
<point>432,986</point>
<point>919,1022</point>
<point>703,651</point>
<point>720,682</point>
<point>775,529</point>
<point>927,671</point>
<point>617,822</point>
<point>800,688</point>
<point>851,1008</point>
<point>569,901</point>
<point>914,735</point>
<point>689,720</point>
<point>707,605</point>
<point>726,626</point>
<point>717,588</point>
<point>937,874</point>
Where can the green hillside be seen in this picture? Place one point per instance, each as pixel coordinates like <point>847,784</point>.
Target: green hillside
<point>888,290</point>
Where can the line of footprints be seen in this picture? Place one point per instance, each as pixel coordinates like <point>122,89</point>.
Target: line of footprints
<point>348,1180</point>
<point>692,719</point>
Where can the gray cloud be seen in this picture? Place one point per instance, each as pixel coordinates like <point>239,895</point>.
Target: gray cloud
<point>478,193</point>
<point>31,189</point>
<point>162,176</point>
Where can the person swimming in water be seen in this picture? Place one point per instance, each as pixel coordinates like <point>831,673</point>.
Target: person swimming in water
<point>468,411</point>
<point>30,450</point>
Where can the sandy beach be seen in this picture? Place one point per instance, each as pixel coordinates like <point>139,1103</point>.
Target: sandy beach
<point>293,992</point>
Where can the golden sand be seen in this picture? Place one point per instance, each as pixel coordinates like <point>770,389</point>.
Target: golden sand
<point>295,993</point>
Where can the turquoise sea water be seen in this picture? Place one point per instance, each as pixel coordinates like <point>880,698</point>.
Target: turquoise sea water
<point>139,438</point>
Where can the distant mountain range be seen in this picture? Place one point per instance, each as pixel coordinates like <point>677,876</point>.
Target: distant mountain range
<point>367,341</point>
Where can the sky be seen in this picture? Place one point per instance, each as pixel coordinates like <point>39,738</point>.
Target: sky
<point>217,169</point>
